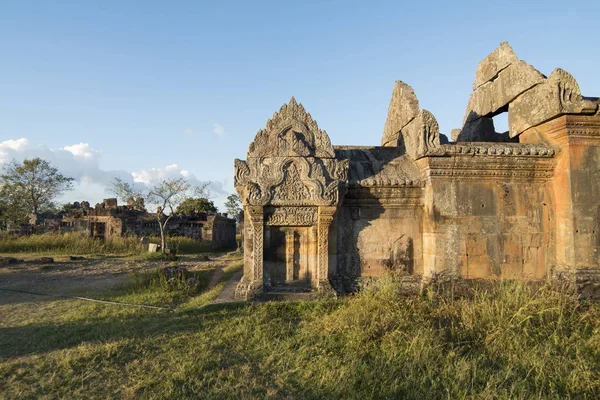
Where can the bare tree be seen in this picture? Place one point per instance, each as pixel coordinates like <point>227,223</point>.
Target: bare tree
<point>167,195</point>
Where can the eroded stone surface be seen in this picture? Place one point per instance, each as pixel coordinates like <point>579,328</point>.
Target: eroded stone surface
<point>318,217</point>
<point>421,134</point>
<point>492,96</point>
<point>403,108</point>
<point>408,127</point>
<point>504,83</point>
<point>557,95</point>
<point>495,62</point>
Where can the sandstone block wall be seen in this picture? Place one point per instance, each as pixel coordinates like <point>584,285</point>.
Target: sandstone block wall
<point>522,204</point>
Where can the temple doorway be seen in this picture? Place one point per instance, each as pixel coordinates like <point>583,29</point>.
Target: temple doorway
<point>286,256</point>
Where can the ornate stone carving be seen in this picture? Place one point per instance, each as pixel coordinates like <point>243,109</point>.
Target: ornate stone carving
<point>289,255</point>
<point>291,132</point>
<point>291,170</point>
<point>290,181</point>
<point>292,216</point>
<point>256,218</point>
<point>493,149</point>
<point>325,218</point>
<point>291,162</point>
<point>421,135</point>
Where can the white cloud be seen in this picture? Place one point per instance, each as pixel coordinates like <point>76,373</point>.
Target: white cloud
<point>81,162</point>
<point>173,171</point>
<point>153,175</point>
<point>11,146</point>
<point>82,151</point>
<point>14,144</point>
<point>218,129</point>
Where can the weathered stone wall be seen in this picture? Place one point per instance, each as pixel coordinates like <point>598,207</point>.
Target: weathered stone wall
<point>488,216</point>
<point>523,204</point>
<point>108,219</point>
<point>576,190</point>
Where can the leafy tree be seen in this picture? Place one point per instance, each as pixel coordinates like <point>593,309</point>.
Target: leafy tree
<point>67,208</point>
<point>194,205</point>
<point>30,187</point>
<point>234,206</point>
<point>168,195</point>
<point>12,212</point>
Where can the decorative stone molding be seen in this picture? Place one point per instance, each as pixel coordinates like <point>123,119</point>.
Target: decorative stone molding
<point>291,216</point>
<point>325,218</point>
<point>493,149</point>
<point>256,219</point>
<point>490,167</point>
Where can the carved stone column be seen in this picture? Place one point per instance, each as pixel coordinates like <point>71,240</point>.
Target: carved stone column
<point>325,218</point>
<point>289,255</point>
<point>252,282</point>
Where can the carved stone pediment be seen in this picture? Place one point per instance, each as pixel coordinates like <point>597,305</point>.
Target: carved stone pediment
<point>291,162</point>
<point>291,132</point>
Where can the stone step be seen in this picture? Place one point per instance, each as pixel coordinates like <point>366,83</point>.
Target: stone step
<point>290,289</point>
<point>286,296</point>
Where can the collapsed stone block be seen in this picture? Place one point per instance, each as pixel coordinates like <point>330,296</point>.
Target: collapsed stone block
<point>407,126</point>
<point>403,108</point>
<point>505,83</point>
<point>499,59</point>
<point>491,97</point>
<point>557,95</point>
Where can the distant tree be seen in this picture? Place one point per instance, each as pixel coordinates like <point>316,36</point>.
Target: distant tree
<point>66,208</point>
<point>194,205</point>
<point>12,212</point>
<point>234,206</point>
<point>30,187</point>
<point>167,195</point>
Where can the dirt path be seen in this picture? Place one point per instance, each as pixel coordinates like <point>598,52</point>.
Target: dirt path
<point>227,295</point>
<point>87,277</point>
<point>216,277</point>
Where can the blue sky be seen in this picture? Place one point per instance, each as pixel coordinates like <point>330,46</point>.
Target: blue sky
<point>106,88</point>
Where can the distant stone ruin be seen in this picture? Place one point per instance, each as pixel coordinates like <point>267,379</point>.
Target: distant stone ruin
<point>108,219</point>
<point>523,204</point>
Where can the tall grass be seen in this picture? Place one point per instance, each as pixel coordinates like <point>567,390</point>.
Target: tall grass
<point>76,243</point>
<point>68,243</point>
<point>511,341</point>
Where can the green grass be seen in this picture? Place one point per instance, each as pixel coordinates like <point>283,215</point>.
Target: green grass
<point>68,243</point>
<point>77,244</point>
<point>514,341</point>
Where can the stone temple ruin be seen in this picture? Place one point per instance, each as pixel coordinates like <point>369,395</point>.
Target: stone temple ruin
<point>517,205</point>
<point>108,219</point>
